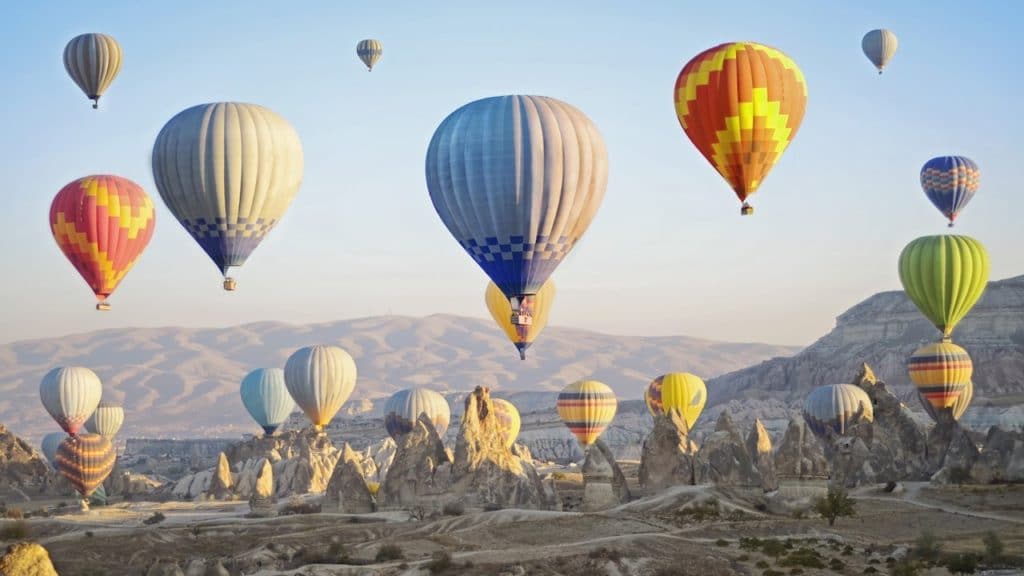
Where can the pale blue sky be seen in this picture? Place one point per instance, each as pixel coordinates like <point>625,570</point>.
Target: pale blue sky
<point>668,252</point>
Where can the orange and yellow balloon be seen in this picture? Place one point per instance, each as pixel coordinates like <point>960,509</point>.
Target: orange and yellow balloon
<point>587,407</point>
<point>683,391</point>
<point>941,371</point>
<point>501,311</point>
<point>741,104</point>
<point>102,223</point>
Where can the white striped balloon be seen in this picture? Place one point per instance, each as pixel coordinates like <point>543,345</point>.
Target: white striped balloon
<point>93,61</point>
<point>70,395</point>
<point>320,379</point>
<point>879,46</point>
<point>106,420</point>
<point>369,51</point>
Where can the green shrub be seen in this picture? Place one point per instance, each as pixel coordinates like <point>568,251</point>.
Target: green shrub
<point>836,564</point>
<point>721,542</point>
<point>441,562</point>
<point>454,508</point>
<point>927,547</point>
<point>803,557</point>
<point>603,553</point>
<point>993,547</point>
<point>836,505</point>
<point>871,570</point>
<point>847,550</point>
<point>15,530</point>
<point>389,552</point>
<point>761,564</point>
<point>962,563</point>
<point>156,518</point>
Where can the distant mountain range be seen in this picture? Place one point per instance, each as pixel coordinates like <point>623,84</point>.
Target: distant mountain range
<point>183,382</point>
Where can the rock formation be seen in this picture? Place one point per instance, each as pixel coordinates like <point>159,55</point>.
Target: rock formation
<point>347,490</point>
<point>262,502</point>
<point>724,459</point>
<point>410,478</point>
<point>22,468</point>
<point>163,567</point>
<point>951,452</point>
<point>895,440</point>
<point>26,559</point>
<point>1002,459</point>
<point>800,455</point>
<point>604,484</point>
<point>485,472</point>
<point>759,446</point>
<point>668,454</point>
<point>222,483</point>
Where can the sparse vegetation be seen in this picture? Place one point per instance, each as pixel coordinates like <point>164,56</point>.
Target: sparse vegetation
<point>993,547</point>
<point>89,534</point>
<point>773,548</point>
<point>761,564</point>
<point>927,547</point>
<point>156,518</point>
<point>389,552</point>
<point>962,563</point>
<point>905,567</point>
<point>603,553</point>
<point>871,570</point>
<point>454,508</point>
<point>14,514</point>
<point>15,530</point>
<point>836,565</point>
<point>796,570</point>
<point>805,557</point>
<point>847,550</point>
<point>835,505</point>
<point>301,508</point>
<point>440,562</point>
<point>959,475</point>
<point>721,542</point>
<point>699,512</point>
<point>416,513</point>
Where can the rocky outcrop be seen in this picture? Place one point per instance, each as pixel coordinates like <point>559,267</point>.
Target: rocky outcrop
<point>163,567</point>
<point>485,472</point>
<point>604,484</point>
<point>411,476</point>
<point>262,502</point>
<point>222,483</point>
<point>522,451</point>
<point>1002,459</point>
<point>800,454</point>
<point>896,442</point>
<point>192,486</point>
<point>21,467</point>
<point>724,459</point>
<point>759,446</point>
<point>668,455</point>
<point>347,491</point>
<point>951,451</point>
<point>26,559</point>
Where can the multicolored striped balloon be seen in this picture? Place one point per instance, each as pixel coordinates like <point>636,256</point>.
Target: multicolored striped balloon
<point>106,420</point>
<point>950,182</point>
<point>836,407</point>
<point>404,407</point>
<point>940,371</point>
<point>963,402</point>
<point>521,336</point>
<point>741,104</point>
<point>945,277</point>
<point>85,460</point>
<point>683,391</point>
<point>70,394</point>
<point>102,223</point>
<point>508,420</point>
<point>587,407</point>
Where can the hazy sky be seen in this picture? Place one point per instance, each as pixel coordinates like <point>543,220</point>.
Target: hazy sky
<point>668,252</point>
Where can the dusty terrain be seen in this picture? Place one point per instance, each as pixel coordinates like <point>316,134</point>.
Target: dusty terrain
<point>686,530</point>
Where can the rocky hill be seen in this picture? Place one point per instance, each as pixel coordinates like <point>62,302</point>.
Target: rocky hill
<point>178,382</point>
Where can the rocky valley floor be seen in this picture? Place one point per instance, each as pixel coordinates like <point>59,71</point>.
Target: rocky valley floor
<point>684,530</point>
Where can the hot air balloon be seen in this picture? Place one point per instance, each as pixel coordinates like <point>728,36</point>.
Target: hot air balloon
<point>520,335</point>
<point>944,276</point>
<point>837,407</point>
<point>369,52</point>
<point>741,104</point>
<point>940,371</point>
<point>86,461</point>
<point>70,394</point>
<point>106,420</point>
<point>587,407</point>
<point>963,402</point>
<point>680,390</point>
<point>950,182</point>
<point>93,61</point>
<point>102,223</point>
<point>517,181</point>
<point>228,172</point>
<point>508,420</point>
<point>266,397</point>
<point>49,445</point>
<point>320,379</point>
<point>404,407</point>
<point>879,46</point>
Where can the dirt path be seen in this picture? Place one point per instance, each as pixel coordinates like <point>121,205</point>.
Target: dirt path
<point>912,495</point>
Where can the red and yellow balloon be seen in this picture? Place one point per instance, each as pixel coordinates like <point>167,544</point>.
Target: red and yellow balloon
<point>741,104</point>
<point>102,223</point>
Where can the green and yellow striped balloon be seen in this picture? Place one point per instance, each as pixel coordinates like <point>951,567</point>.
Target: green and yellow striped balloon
<point>944,276</point>
<point>85,460</point>
<point>587,407</point>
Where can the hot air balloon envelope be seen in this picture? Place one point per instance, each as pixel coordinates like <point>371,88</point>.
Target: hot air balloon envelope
<point>106,420</point>
<point>265,396</point>
<point>404,408</point>
<point>879,46</point>
<point>683,391</point>
<point>522,336</point>
<point>587,407</point>
<point>950,182</point>
<point>93,61</point>
<point>86,461</point>
<point>320,379</point>
<point>944,276</point>
<point>508,420</point>
<point>837,406</point>
<point>70,395</point>
<point>369,51</point>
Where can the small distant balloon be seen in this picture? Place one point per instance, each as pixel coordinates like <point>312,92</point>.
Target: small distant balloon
<point>93,61</point>
<point>522,336</point>
<point>879,46</point>
<point>369,51</point>
<point>950,182</point>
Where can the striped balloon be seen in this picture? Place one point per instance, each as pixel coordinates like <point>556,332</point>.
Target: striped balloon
<point>521,336</point>
<point>945,277</point>
<point>102,224</point>
<point>587,407</point>
<point>741,104</point>
<point>940,371</point>
<point>963,402</point>
<point>70,394</point>
<point>508,420</point>
<point>50,444</point>
<point>950,182</point>
<point>266,398</point>
<point>836,406</point>
<point>106,420</point>
<point>404,408</point>
<point>320,379</point>
<point>369,51</point>
<point>517,181</point>
<point>228,172</point>
<point>93,61</point>
<point>683,391</point>
<point>86,461</point>
<point>879,46</point>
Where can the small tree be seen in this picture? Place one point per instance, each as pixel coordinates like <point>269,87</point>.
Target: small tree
<point>962,564</point>
<point>838,503</point>
<point>927,547</point>
<point>993,547</point>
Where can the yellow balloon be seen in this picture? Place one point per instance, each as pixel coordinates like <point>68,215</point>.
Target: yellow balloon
<point>501,311</point>
<point>680,390</point>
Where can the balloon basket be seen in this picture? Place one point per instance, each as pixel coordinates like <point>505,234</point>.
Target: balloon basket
<point>103,306</point>
<point>746,210</point>
<point>230,285</point>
